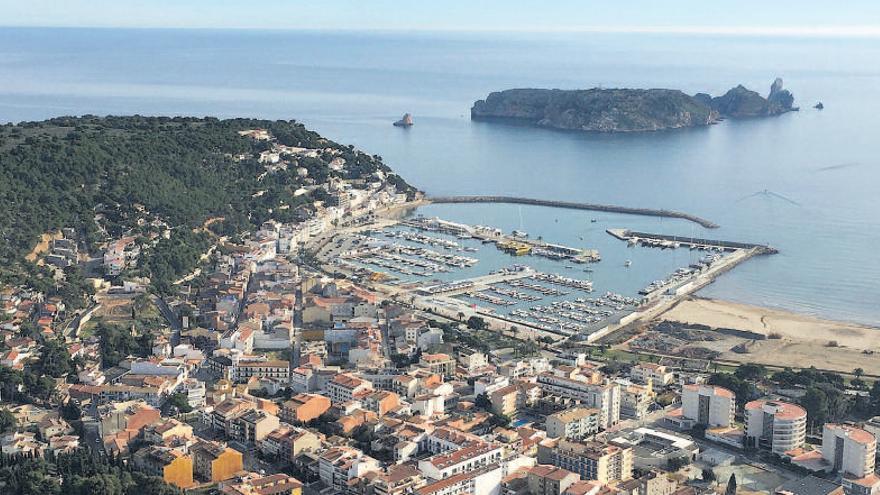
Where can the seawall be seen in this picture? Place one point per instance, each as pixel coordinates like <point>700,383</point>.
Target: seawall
<point>574,206</point>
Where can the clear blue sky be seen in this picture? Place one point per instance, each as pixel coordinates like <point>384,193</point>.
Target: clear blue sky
<point>783,16</point>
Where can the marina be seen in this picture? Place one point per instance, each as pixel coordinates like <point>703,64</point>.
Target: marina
<point>465,269</point>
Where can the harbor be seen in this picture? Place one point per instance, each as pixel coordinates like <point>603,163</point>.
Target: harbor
<point>523,282</point>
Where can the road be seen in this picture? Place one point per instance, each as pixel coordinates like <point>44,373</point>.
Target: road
<point>171,316</point>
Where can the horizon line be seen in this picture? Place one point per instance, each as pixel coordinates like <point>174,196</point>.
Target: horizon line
<point>839,31</point>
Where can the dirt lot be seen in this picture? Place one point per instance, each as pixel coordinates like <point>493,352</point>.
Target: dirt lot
<point>803,340</point>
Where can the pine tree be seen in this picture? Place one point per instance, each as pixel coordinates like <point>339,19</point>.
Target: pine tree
<point>731,485</point>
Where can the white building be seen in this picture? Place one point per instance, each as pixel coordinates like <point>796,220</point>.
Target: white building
<point>708,405</point>
<point>774,425</point>
<point>651,374</point>
<point>849,450</point>
<point>339,465</point>
<point>605,397</point>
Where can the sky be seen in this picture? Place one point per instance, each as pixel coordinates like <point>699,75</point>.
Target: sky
<point>781,17</point>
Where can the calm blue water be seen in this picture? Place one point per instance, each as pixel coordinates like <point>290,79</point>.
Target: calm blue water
<point>351,86</point>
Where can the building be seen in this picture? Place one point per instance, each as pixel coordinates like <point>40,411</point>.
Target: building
<point>635,400</point>
<point>172,465</point>
<point>508,400</point>
<point>244,370</point>
<point>776,426</point>
<point>287,442</point>
<point>252,426</point>
<point>809,485</point>
<point>852,452</point>
<point>164,431</point>
<point>651,483</point>
<point>345,387</point>
<point>340,465</point>
<point>708,405</point>
<point>214,462</point>
<point>303,407</point>
<point>602,396</point>
<point>550,480</point>
<point>849,449</point>
<point>574,424</point>
<point>872,426</point>
<point>471,457</point>
<point>483,481</point>
<point>275,484</point>
<point>605,463</point>
<point>441,364</point>
<point>651,374</point>
<point>399,479</point>
<point>381,402</point>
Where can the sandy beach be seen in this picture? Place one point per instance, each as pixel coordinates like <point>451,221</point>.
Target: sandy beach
<point>792,326</point>
<point>802,340</point>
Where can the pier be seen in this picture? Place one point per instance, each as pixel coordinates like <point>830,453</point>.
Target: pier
<point>574,206</point>
<point>694,242</point>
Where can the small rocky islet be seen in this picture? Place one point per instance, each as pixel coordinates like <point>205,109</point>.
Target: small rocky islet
<point>629,110</point>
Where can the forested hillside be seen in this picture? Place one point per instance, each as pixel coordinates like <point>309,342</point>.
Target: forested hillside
<point>70,171</point>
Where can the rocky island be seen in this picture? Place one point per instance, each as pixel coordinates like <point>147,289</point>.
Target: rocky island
<point>628,110</point>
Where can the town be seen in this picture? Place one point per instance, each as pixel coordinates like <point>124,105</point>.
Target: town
<point>319,356</point>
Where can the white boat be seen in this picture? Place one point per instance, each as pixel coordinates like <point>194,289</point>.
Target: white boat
<point>627,263</point>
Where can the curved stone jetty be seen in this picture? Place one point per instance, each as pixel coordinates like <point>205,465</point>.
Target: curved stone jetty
<point>574,206</point>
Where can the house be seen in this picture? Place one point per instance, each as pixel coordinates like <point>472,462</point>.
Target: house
<point>287,442</point>
<point>303,407</point>
<point>340,465</point>
<point>215,462</point>
<point>275,484</point>
<point>172,465</point>
<point>550,480</point>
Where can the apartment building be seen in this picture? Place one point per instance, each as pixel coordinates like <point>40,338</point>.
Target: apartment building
<point>602,396</point>
<point>590,460</point>
<point>574,424</point>
<point>708,405</point>
<point>775,425</point>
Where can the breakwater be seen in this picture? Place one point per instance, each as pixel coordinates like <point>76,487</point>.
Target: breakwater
<point>572,205</point>
<point>626,235</point>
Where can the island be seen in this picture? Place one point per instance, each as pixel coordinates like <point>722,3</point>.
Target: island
<point>405,121</point>
<point>628,110</point>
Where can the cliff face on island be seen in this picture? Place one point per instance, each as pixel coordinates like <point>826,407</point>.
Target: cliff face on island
<point>628,110</point>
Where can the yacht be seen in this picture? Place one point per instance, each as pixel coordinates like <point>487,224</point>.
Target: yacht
<point>627,263</point>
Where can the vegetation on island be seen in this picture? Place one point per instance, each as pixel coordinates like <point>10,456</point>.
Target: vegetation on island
<point>628,110</point>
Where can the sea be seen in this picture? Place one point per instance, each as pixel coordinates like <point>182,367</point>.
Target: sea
<point>807,182</point>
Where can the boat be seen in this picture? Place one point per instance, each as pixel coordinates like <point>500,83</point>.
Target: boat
<point>593,220</point>
<point>627,263</point>
<point>405,121</point>
<point>520,233</point>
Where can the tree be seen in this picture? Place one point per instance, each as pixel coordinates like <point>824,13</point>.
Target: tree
<point>482,401</point>
<point>673,464</point>
<point>750,372</point>
<point>731,485</point>
<point>460,316</point>
<point>816,403</point>
<point>7,421</point>
<point>181,402</point>
<point>859,372</point>
<point>708,475</point>
<point>477,323</point>
<point>55,360</point>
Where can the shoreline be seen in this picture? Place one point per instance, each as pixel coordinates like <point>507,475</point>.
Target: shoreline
<point>766,321</point>
<point>799,340</point>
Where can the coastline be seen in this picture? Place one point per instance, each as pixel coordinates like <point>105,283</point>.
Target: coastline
<point>800,340</point>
